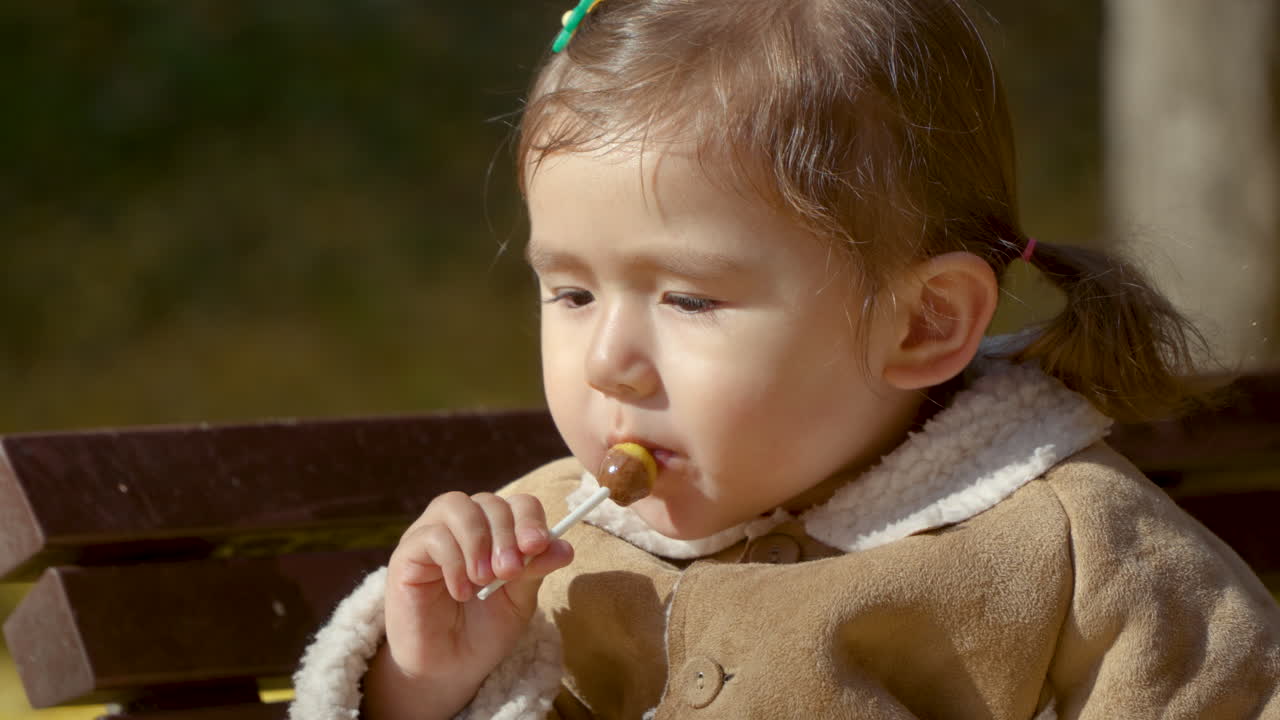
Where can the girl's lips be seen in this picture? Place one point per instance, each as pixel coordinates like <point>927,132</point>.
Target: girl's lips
<point>661,456</point>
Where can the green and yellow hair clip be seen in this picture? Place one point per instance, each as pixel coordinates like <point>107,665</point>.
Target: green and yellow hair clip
<point>570,21</point>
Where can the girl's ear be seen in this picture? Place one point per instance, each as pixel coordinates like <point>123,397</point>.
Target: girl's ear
<point>944,307</point>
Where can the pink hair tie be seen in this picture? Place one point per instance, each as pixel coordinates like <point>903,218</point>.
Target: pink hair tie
<point>1031,246</point>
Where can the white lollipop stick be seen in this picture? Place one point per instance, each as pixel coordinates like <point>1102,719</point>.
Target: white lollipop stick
<point>561,527</point>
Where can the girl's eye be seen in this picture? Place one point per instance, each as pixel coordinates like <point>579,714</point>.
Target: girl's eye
<point>690,304</point>
<point>572,297</point>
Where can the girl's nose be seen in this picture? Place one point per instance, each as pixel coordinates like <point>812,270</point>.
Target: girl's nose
<point>619,363</point>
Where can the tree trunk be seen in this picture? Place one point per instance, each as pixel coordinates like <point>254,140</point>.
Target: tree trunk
<point>1191,161</point>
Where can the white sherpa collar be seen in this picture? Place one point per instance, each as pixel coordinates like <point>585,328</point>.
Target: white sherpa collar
<point>1007,427</point>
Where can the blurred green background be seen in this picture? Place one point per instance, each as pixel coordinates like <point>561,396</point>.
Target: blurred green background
<point>218,210</point>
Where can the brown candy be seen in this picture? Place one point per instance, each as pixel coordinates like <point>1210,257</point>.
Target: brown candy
<point>628,470</point>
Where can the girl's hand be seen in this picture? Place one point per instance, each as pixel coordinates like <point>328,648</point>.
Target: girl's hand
<point>441,642</point>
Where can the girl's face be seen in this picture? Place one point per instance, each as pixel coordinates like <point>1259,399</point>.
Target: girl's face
<point>709,329</point>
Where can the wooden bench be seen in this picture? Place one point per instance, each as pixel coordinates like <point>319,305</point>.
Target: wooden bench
<point>179,570</point>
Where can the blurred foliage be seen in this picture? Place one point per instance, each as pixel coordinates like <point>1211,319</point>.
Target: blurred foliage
<point>1049,56</point>
<point>220,209</point>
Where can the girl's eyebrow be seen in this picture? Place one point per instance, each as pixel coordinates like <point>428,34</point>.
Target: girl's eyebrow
<point>543,260</point>
<point>695,263</point>
<point>685,262</point>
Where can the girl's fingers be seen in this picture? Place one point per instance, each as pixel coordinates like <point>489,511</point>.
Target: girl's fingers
<point>505,560</point>
<point>477,539</point>
<point>531,530</point>
<point>470,527</point>
<point>435,509</point>
<point>429,553</point>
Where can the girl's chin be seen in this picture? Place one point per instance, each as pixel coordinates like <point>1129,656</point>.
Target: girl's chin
<point>657,516</point>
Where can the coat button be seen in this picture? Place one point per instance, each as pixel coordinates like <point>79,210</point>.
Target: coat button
<point>776,549</point>
<point>702,679</point>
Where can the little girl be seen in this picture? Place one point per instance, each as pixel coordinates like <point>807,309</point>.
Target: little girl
<point>768,236</point>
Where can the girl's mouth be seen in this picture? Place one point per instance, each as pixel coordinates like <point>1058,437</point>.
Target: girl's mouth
<point>661,456</point>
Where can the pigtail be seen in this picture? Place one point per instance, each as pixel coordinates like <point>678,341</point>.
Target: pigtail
<point>1118,341</point>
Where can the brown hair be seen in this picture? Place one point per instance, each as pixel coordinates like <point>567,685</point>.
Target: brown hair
<point>880,125</point>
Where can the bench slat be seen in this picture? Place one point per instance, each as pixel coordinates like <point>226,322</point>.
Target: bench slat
<point>261,711</point>
<point>182,492</point>
<point>1241,432</point>
<point>106,634</point>
<point>1247,521</point>
<point>108,497</point>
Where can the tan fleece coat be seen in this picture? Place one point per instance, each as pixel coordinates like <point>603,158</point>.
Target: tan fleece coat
<point>1086,591</point>
<point>1003,563</point>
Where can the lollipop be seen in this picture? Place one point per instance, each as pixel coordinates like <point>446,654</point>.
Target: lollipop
<point>628,471</point>
<point>626,474</point>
